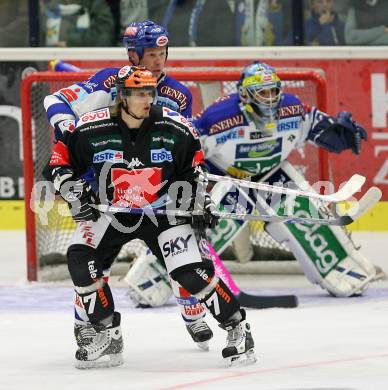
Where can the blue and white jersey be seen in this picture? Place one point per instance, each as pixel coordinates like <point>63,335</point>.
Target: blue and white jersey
<point>66,105</point>
<point>234,144</point>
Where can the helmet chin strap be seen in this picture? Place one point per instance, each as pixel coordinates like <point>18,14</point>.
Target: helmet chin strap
<point>125,108</point>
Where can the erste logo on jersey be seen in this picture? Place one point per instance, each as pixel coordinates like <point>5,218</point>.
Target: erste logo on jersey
<point>114,156</point>
<point>160,155</point>
<point>94,116</point>
<point>292,123</point>
<point>73,94</point>
<point>236,133</point>
<point>136,187</point>
<point>176,117</point>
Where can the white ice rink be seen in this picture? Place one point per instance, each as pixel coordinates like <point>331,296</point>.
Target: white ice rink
<point>326,343</point>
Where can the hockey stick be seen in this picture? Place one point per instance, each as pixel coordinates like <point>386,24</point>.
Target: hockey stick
<point>248,300</point>
<point>369,199</point>
<point>344,193</point>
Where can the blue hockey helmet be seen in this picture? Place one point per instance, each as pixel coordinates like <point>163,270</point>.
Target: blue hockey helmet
<point>260,89</point>
<point>142,35</point>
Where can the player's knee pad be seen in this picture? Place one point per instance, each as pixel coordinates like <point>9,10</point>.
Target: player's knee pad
<point>326,254</point>
<point>208,289</point>
<point>148,282</point>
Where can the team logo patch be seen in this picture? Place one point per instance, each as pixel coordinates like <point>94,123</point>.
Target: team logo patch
<point>204,249</point>
<point>67,125</point>
<point>114,156</point>
<point>124,71</point>
<point>160,155</point>
<point>162,40</point>
<point>137,187</point>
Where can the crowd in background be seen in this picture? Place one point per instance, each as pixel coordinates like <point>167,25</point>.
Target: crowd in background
<point>75,23</point>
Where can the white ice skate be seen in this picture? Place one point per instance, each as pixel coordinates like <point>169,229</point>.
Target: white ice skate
<point>239,350</point>
<point>200,333</point>
<point>84,334</point>
<point>105,348</point>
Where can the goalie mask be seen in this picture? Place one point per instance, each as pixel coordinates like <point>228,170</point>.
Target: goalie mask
<point>260,90</point>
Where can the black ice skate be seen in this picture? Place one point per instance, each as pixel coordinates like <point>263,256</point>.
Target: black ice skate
<point>105,348</point>
<point>200,333</point>
<point>239,350</point>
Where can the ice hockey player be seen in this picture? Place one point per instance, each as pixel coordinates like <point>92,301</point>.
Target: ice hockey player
<point>250,134</point>
<point>146,44</point>
<point>146,150</point>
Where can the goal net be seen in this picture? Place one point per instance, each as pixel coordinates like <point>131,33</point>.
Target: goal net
<point>49,226</point>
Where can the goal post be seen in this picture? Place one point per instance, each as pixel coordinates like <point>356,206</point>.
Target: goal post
<point>46,241</point>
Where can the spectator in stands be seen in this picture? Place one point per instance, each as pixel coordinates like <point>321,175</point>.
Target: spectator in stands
<point>278,29</point>
<point>77,23</point>
<point>367,23</point>
<point>14,23</point>
<point>133,11</point>
<point>324,26</point>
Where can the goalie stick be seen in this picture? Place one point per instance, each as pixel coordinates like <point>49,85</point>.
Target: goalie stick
<point>368,200</point>
<point>345,192</point>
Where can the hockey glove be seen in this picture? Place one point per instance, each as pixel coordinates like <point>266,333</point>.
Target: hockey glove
<point>78,194</point>
<point>338,134</point>
<point>205,219</point>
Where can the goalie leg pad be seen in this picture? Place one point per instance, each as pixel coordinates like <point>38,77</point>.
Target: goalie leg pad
<point>148,282</point>
<point>326,254</point>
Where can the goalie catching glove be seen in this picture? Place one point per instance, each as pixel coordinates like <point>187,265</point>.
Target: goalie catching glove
<point>338,134</point>
<point>78,194</point>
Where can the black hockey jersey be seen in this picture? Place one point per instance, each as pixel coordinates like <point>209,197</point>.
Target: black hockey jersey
<point>131,167</point>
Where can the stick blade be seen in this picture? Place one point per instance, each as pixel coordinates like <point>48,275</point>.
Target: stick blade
<point>267,302</point>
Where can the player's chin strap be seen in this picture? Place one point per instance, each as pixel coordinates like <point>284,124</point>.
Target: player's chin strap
<point>125,108</point>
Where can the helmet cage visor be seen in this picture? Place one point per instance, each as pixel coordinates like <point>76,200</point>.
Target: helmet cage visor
<point>143,94</point>
<point>264,96</point>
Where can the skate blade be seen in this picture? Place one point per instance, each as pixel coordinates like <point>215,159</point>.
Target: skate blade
<point>203,345</point>
<point>104,362</point>
<point>244,359</point>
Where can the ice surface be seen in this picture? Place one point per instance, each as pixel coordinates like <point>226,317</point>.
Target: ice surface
<point>326,343</point>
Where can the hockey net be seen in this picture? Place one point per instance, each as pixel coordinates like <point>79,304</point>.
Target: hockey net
<point>49,230</point>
